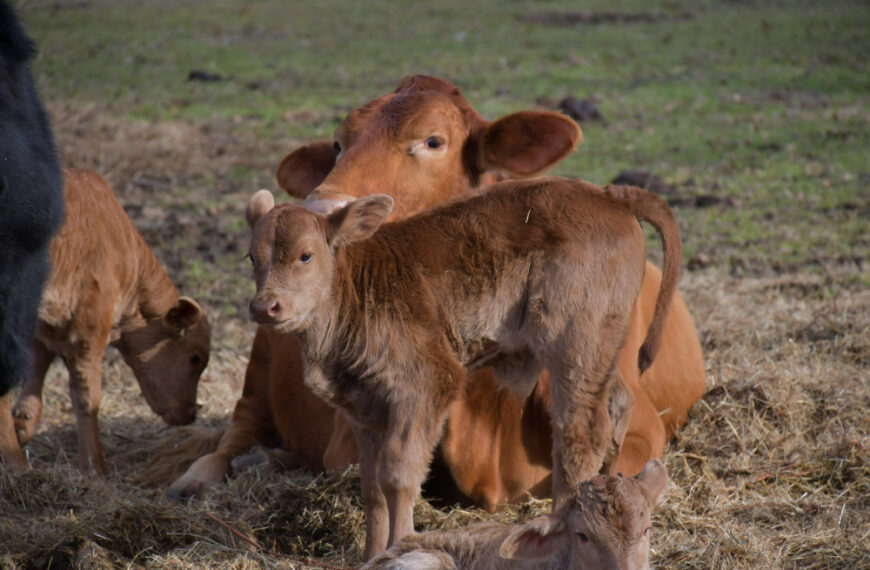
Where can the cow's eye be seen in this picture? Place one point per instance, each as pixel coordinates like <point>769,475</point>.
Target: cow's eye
<point>434,143</point>
<point>336,146</point>
<point>305,257</point>
<point>195,359</point>
<point>583,538</point>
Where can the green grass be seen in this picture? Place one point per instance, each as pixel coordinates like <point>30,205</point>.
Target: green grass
<point>768,103</point>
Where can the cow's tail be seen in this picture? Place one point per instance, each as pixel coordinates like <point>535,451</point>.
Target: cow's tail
<point>650,208</point>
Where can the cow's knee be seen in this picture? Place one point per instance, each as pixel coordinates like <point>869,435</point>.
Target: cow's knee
<point>206,471</point>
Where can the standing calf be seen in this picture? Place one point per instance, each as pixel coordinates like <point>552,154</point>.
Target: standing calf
<point>525,276</point>
<point>31,211</point>
<point>605,525</point>
<point>106,287</point>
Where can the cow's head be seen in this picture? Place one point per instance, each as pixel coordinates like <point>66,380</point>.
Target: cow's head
<point>293,254</point>
<point>167,354</point>
<point>607,526</point>
<point>423,144</point>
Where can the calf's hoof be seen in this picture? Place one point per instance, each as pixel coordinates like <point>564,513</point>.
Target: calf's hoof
<point>26,417</point>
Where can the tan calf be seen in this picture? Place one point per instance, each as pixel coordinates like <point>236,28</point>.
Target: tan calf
<point>106,287</point>
<point>524,277</point>
<point>605,525</point>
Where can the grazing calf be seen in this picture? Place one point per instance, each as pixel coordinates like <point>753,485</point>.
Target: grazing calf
<point>525,276</point>
<point>31,211</point>
<point>106,287</point>
<point>606,525</point>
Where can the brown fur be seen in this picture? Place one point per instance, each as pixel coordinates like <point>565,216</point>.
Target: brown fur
<point>515,432</point>
<point>523,277</point>
<point>606,525</point>
<point>106,287</point>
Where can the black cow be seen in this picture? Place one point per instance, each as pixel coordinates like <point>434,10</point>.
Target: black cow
<point>31,200</point>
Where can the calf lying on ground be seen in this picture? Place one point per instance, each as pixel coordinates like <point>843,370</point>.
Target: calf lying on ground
<point>606,525</point>
<point>31,211</point>
<point>106,287</point>
<point>525,276</point>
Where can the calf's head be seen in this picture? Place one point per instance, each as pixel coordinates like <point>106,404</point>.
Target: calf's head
<point>167,355</point>
<point>607,526</point>
<point>293,254</point>
<point>423,144</point>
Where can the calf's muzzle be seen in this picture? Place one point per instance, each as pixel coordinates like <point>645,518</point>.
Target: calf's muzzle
<point>265,310</point>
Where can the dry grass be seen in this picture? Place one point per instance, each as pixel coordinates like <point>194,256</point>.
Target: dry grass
<point>771,472</point>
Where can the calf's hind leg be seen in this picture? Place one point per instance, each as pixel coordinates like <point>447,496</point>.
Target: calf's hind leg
<point>585,387</point>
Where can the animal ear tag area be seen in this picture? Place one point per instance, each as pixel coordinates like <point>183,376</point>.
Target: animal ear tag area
<point>359,219</point>
<point>539,538</point>
<point>184,314</point>
<point>260,204</point>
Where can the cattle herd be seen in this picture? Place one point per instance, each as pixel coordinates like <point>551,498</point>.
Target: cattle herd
<point>426,297</point>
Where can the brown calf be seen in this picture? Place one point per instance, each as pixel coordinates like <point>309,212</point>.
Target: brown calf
<point>276,408</point>
<point>606,525</point>
<point>524,277</point>
<point>106,287</point>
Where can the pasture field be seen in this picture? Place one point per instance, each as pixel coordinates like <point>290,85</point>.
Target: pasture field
<point>756,114</point>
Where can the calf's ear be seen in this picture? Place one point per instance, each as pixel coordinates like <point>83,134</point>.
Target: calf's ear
<point>184,314</point>
<point>304,169</point>
<point>359,219</point>
<point>653,479</point>
<point>258,206</point>
<point>538,538</point>
<point>527,142</point>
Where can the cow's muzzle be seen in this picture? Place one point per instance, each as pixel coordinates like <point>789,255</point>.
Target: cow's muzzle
<point>326,201</point>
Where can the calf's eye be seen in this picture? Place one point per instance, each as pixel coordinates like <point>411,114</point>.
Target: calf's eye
<point>195,359</point>
<point>305,257</point>
<point>336,146</point>
<point>583,538</point>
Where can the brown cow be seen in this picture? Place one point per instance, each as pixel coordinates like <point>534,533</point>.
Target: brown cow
<point>106,287</point>
<point>606,526</point>
<point>526,276</point>
<point>494,449</point>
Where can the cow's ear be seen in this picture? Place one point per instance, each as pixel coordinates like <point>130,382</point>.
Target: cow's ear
<point>653,479</point>
<point>525,143</point>
<point>538,538</point>
<point>260,204</point>
<point>304,169</point>
<point>184,314</point>
<point>359,219</point>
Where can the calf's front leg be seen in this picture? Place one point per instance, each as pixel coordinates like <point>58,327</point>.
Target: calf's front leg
<point>10,451</point>
<point>86,388</point>
<point>370,445</point>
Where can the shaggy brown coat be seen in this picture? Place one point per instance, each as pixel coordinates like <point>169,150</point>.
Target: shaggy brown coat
<point>523,277</point>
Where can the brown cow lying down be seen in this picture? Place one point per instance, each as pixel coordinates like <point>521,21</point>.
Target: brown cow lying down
<point>526,276</point>
<point>605,525</point>
<point>494,449</point>
<point>106,287</point>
